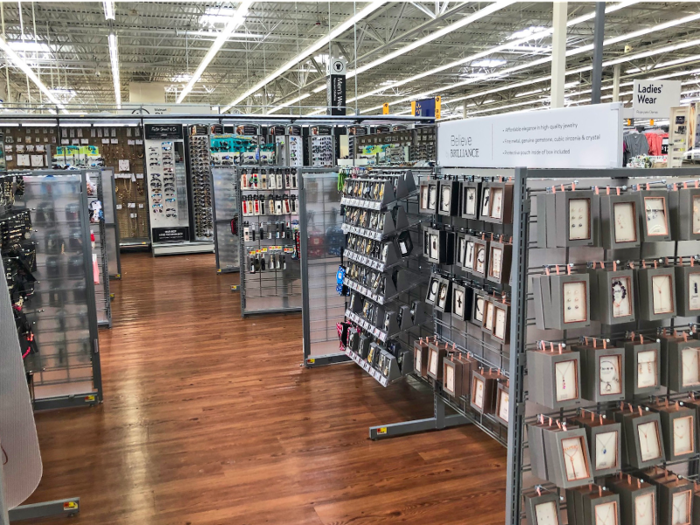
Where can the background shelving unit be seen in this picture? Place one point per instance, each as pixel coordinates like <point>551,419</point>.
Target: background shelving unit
<point>96,193</point>
<point>225,210</point>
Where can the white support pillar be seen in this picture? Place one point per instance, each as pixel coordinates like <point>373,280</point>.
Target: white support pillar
<point>616,82</point>
<point>559,13</point>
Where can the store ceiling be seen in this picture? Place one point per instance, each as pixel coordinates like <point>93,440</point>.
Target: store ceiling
<point>67,46</point>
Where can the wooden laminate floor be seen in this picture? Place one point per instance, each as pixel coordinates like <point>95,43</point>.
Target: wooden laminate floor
<point>208,419</point>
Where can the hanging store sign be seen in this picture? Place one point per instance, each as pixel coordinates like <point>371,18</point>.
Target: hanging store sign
<point>321,131</point>
<point>163,131</point>
<point>277,130</point>
<point>248,130</point>
<point>579,137</point>
<point>294,131</point>
<point>336,87</point>
<point>655,98</point>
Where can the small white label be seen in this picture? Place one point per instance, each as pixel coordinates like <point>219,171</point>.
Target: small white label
<point>140,206</point>
<point>131,205</point>
<point>119,206</point>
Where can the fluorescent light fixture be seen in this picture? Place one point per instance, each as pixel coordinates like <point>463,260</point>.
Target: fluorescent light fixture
<point>18,62</point>
<point>31,47</point>
<point>288,103</point>
<point>319,89</point>
<point>350,22</point>
<point>114,59</point>
<point>214,34</point>
<point>9,124</point>
<point>108,6</point>
<point>234,22</point>
<point>488,62</point>
<point>38,124</point>
<point>526,32</point>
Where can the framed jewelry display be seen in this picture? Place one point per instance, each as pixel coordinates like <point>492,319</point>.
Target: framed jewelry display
<point>502,403</point>
<point>497,202</point>
<point>655,217</point>
<point>580,212</point>
<point>602,372</point>
<point>435,356</point>
<point>603,508</point>
<point>471,195</point>
<point>570,459</point>
<point>657,293</point>
<point>481,255</point>
<point>461,250</point>
<point>443,302</point>
<point>682,355</point>
<point>642,364</point>
<point>433,288</point>
<point>555,377</point>
<point>478,309</point>
<point>501,322</point>
<point>438,246</point>
<point>489,316</point>
<point>684,204</point>
<point>678,424</point>
<point>675,500</point>
<point>688,290</point>
<point>448,204</point>
<point>637,499</point>
<point>615,297</point>
<point>645,446</point>
<point>420,358</point>
<point>483,390</point>
<point>562,301</point>
<point>605,439</point>
<point>428,197</point>
<point>500,261</point>
<point>469,364</point>
<point>452,377</point>
<point>542,509</point>
<point>620,219</point>
<point>462,301</point>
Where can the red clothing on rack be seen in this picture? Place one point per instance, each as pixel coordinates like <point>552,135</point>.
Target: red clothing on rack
<point>654,140</point>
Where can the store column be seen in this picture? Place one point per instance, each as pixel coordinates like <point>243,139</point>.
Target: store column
<point>559,13</point>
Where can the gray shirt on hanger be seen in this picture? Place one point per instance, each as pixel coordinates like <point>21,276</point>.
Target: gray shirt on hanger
<point>636,144</point>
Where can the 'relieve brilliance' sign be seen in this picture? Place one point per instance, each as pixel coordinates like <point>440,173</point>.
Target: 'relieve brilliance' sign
<point>655,98</point>
<point>579,137</point>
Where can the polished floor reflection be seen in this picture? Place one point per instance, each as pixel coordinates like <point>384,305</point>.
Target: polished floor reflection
<point>209,419</point>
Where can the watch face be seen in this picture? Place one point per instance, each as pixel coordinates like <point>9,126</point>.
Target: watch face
<point>625,216</point>
<point>486,203</point>
<point>450,379</point>
<point>574,459</point>
<point>662,296</point>
<point>690,373</point>
<point>497,205</point>
<point>680,513</point>
<point>470,207</point>
<point>496,262</point>
<point>499,330</point>
<point>479,309</point>
<point>478,393</point>
<point>503,405</point>
<point>609,372</point>
<point>606,513</point>
<point>566,376</point>
<point>469,258</point>
<point>446,198</point>
<point>683,435</point>
<point>488,323</point>
<point>546,513</point>
<point>657,221</point>
<point>645,509</point>
<point>433,362</point>
<point>579,219</point>
<point>480,259</point>
<point>649,446</point>
<point>606,450</point>
<point>621,297</point>
<point>696,214</point>
<point>442,296</point>
<point>575,302</point>
<point>646,369</point>
<point>694,291</point>
<point>458,302</point>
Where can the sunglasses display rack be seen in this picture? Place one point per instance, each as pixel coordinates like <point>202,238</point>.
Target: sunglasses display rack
<point>268,227</point>
<point>322,151</point>
<point>200,180</point>
<point>98,240</point>
<point>382,276</point>
<point>226,221</point>
<point>62,312</point>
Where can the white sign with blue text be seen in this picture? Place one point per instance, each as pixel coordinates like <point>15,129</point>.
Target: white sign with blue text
<point>579,137</point>
<point>655,98</point>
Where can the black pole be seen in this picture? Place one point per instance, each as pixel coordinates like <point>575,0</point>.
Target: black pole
<point>599,34</point>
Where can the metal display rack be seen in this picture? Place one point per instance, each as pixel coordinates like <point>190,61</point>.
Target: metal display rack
<point>66,371</point>
<point>109,206</point>
<point>225,209</point>
<point>198,153</point>
<point>270,269</point>
<point>98,228</point>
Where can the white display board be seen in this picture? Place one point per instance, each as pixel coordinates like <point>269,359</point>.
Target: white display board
<point>579,137</point>
<point>655,98</point>
<point>18,437</point>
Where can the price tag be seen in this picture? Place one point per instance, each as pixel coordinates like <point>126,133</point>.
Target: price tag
<point>139,142</point>
<point>140,206</point>
<point>105,141</point>
<point>383,381</point>
<point>84,141</point>
<point>134,215</point>
<point>114,141</point>
<point>130,142</point>
<point>65,141</point>
<point>131,205</point>
<point>139,175</point>
<point>119,206</point>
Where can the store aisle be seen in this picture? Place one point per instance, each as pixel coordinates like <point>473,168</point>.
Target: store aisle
<point>209,419</point>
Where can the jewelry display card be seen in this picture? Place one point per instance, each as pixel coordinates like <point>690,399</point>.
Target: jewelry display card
<point>675,497</point>
<point>483,391</point>
<point>433,288</point>
<point>644,440</point>
<point>688,290</point>
<point>452,377</point>
<point>471,195</point>
<point>435,356</point>
<point>682,363</point>
<point>637,500</point>
<point>462,301</point>
<point>542,509</point>
<point>605,440</point>
<point>448,204</point>
<point>503,403</point>
<point>620,220</point>
<point>601,508</point>
<point>655,218</point>
<point>438,246</point>
<point>501,322</point>
<point>469,364</point>
<point>496,202</point>
<point>570,299</point>
<point>481,256</point>
<point>642,364</point>
<point>420,358</point>
<point>489,316</point>
<point>500,261</point>
<point>443,302</point>
<point>679,427</point>
<point>657,293</point>
<point>684,204</point>
<point>478,309</point>
<point>613,297</point>
<point>461,251</point>
<point>602,372</point>
<point>580,212</point>
<point>567,452</point>
<point>428,197</point>
<point>554,378</point>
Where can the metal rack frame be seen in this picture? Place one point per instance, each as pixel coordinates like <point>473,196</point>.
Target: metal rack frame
<point>101,247</point>
<point>108,185</point>
<point>217,222</point>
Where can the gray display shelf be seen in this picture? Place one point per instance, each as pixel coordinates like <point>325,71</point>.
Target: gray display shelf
<point>225,209</point>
